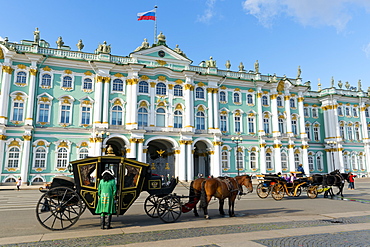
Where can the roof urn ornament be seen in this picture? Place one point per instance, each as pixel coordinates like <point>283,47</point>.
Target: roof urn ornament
<point>299,71</point>
<point>347,85</point>
<point>319,85</point>
<point>228,65</point>
<point>340,84</point>
<point>80,45</point>
<point>36,36</point>
<point>60,42</point>
<point>161,39</point>
<point>241,67</point>
<point>257,67</point>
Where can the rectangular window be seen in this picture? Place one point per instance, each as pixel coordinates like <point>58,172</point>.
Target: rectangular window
<point>86,115</point>
<point>251,125</point>
<point>237,124</point>
<point>65,114</point>
<point>223,123</point>
<point>44,113</point>
<point>17,111</point>
<point>266,125</point>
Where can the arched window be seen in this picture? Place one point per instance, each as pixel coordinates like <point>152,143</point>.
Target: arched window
<point>62,157</point>
<point>292,103</point>
<point>348,112</point>
<point>225,160</point>
<point>143,117</point>
<point>177,90</point>
<point>341,130</point>
<point>354,111</point>
<point>117,85</point>
<point>350,132</point>
<point>177,123</point>
<point>67,82</point>
<point>268,161</point>
<point>222,96</point>
<point>284,161</point>
<point>360,162</point>
<point>367,112</point>
<point>143,87</point>
<point>13,157</point>
<point>116,115</point>
<point>161,89</point>
<point>250,99</point>
<point>83,153</point>
<point>357,133</point>
<point>18,108</point>
<point>306,112</point>
<point>279,101</point>
<point>200,121</point>
<point>314,112</point>
<point>37,180</point>
<point>316,132</point>
<point>237,98</point>
<point>46,80</point>
<point>340,111</point>
<point>40,157</point>
<point>319,162</point>
<point>253,160</point>
<point>265,100</point>
<point>199,93</point>
<point>294,127</point>
<point>160,117</point>
<point>87,85</point>
<point>21,77</point>
<point>307,129</point>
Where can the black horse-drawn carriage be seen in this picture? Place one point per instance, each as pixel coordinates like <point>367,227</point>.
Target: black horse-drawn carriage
<point>66,199</point>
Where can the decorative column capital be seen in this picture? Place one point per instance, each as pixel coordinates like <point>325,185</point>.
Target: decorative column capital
<point>27,137</point>
<point>3,137</point>
<point>7,69</point>
<point>33,72</point>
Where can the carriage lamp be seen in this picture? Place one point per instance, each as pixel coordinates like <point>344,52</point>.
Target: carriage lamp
<point>70,168</point>
<point>237,140</point>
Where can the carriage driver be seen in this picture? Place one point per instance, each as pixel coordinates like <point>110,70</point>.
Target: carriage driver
<point>106,194</point>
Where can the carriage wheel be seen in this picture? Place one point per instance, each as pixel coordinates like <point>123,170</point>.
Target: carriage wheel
<point>169,209</point>
<point>277,192</point>
<point>150,206</point>
<point>299,191</point>
<point>263,191</point>
<point>312,192</point>
<point>59,208</point>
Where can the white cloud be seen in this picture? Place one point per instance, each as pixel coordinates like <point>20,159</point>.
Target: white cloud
<point>333,13</point>
<point>366,49</point>
<point>209,12</point>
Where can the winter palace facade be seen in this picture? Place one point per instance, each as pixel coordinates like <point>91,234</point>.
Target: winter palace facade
<point>58,105</point>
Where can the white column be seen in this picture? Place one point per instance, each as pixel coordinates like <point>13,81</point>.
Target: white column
<point>210,108</point>
<point>182,161</point>
<point>132,153</point>
<point>31,97</point>
<point>189,106</point>
<point>215,160</point>
<point>261,132</point>
<point>2,151</point>
<point>98,101</point>
<point>275,115</point>
<point>277,157</point>
<point>190,163</point>
<point>263,158</point>
<point>288,116</point>
<point>291,156</point>
<point>177,162</point>
<point>26,158</point>
<point>301,118</point>
<point>4,96</point>
<point>106,102</point>
<point>216,115</point>
<point>170,111</point>
<point>152,105</point>
<point>305,158</point>
<point>134,104</point>
<point>140,150</point>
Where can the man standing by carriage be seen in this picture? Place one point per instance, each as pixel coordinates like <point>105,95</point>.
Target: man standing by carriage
<point>106,193</point>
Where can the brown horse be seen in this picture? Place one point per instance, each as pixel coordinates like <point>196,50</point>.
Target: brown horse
<point>226,188</point>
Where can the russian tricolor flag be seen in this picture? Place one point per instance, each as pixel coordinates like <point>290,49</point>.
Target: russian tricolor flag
<point>149,15</point>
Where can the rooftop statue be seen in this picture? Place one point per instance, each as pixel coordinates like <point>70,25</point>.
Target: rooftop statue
<point>60,42</point>
<point>36,36</point>
<point>144,45</point>
<point>211,63</point>
<point>179,51</point>
<point>299,72</point>
<point>161,39</point>
<point>332,81</point>
<point>80,45</point>
<point>257,67</point>
<point>103,48</point>
<point>241,67</point>
<point>359,85</point>
<point>274,79</point>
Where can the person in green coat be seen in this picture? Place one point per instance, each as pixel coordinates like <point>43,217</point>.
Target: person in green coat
<point>106,193</point>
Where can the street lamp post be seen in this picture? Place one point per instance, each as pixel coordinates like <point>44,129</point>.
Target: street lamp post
<point>332,144</point>
<point>237,140</point>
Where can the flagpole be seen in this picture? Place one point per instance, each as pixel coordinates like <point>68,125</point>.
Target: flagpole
<point>155,25</point>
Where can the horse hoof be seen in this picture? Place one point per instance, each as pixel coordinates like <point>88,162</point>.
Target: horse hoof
<point>196,215</point>
<point>206,217</point>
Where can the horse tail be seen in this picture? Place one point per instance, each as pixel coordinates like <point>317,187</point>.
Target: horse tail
<point>203,196</point>
<point>191,192</point>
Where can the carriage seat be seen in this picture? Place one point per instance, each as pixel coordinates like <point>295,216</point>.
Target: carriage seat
<point>62,181</point>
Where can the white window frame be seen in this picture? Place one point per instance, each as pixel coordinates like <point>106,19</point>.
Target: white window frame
<point>225,159</point>
<point>21,83</point>
<point>237,98</point>
<point>250,99</point>
<point>147,86</point>
<point>116,112</point>
<point>199,91</point>
<point>65,101</point>
<point>83,155</point>
<point>114,90</point>
<point>180,89</point>
<point>179,117</point>
<point>42,78</point>
<point>87,90</point>
<point>225,100</point>
<point>265,100</point>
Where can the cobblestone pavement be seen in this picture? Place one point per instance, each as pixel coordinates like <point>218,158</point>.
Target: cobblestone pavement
<point>352,238</point>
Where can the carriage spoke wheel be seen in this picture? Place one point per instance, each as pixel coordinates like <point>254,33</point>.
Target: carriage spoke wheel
<point>299,191</point>
<point>263,191</point>
<point>277,192</point>
<point>59,208</point>
<point>150,206</point>
<point>312,192</point>
<point>169,209</point>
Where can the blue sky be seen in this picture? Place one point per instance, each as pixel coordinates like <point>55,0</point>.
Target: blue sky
<point>325,37</point>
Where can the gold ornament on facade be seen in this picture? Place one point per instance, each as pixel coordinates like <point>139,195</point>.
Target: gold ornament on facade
<point>106,79</point>
<point>259,95</point>
<point>305,146</point>
<point>160,152</point>
<point>300,99</point>
<point>63,144</point>
<point>273,96</point>
<point>178,81</point>
<point>119,75</point>
<point>152,84</point>
<point>217,143</point>
<point>117,102</point>
<point>161,104</point>
<point>14,143</point>
<point>1,54</point>
<point>297,151</point>
<point>200,108</point>
<point>177,151</point>
<point>201,84</point>
<point>161,62</point>
<point>46,68</point>
<point>209,90</point>
<point>7,69</point>
<point>44,99</point>
<point>161,78</point>
<point>143,104</point>
<point>178,107</point>
<point>3,137</point>
<point>167,167</point>
<point>27,137</point>
<point>84,144</point>
<point>21,66</point>
<point>144,78</point>
<point>262,145</point>
<point>152,167</point>
<point>291,146</point>
<point>68,72</point>
<point>170,86</point>
<point>250,90</point>
<point>19,97</point>
<point>33,72</point>
<point>99,78</point>
<point>88,73</point>
<point>11,169</point>
<point>237,89</point>
<point>287,97</point>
